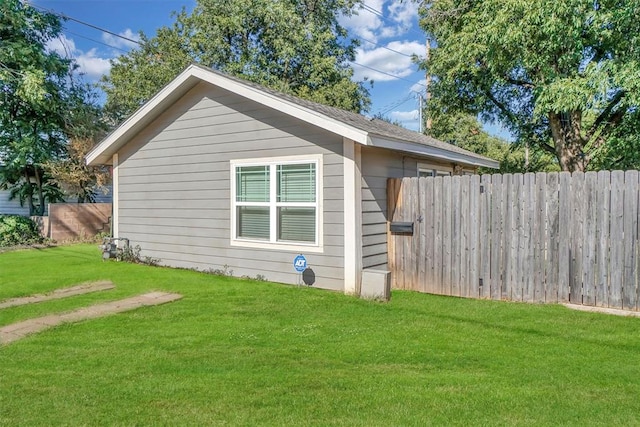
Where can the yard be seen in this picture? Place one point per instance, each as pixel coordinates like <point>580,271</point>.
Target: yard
<point>241,352</point>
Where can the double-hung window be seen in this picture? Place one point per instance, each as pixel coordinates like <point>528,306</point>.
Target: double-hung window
<point>276,201</point>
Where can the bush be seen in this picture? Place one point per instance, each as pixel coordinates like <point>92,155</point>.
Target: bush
<point>18,230</point>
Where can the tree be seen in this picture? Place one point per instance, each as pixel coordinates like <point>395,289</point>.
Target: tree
<point>465,131</point>
<point>562,76</point>
<point>33,97</point>
<point>293,46</point>
<point>136,76</point>
<point>83,129</point>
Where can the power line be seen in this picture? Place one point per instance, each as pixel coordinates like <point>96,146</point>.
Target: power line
<point>396,104</point>
<point>372,10</point>
<point>96,41</point>
<point>387,48</point>
<point>386,74</point>
<point>381,15</point>
<point>62,15</point>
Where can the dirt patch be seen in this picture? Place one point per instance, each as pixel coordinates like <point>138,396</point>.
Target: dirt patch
<point>83,288</point>
<point>19,330</point>
<point>603,310</point>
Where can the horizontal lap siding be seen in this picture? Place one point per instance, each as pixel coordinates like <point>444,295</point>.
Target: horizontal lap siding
<point>377,166</point>
<point>174,191</point>
<point>11,207</point>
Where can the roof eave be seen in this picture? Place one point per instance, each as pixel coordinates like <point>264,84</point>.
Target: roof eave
<point>433,152</point>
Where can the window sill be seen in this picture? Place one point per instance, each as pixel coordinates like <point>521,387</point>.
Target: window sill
<point>291,247</point>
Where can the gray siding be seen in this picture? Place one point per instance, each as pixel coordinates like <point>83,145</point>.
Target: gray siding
<point>376,166</point>
<point>174,185</point>
<point>11,206</point>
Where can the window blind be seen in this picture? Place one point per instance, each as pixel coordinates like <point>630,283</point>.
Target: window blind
<point>252,184</point>
<point>296,183</point>
<point>253,222</point>
<point>297,224</point>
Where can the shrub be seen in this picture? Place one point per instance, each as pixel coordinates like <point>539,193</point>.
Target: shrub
<point>18,230</point>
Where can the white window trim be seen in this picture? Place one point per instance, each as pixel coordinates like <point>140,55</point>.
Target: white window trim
<point>272,162</point>
<point>431,167</point>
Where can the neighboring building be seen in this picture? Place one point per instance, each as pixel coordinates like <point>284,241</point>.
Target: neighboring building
<point>11,206</point>
<point>215,172</point>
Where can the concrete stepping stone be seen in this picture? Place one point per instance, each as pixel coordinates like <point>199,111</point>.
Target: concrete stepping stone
<point>83,288</point>
<point>19,330</point>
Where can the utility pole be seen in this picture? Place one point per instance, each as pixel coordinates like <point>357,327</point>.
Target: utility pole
<point>428,83</point>
<point>420,112</point>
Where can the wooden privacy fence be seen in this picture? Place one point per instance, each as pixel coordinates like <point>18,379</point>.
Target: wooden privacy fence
<point>545,237</point>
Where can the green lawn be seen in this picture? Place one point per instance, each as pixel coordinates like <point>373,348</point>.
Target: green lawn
<point>237,352</point>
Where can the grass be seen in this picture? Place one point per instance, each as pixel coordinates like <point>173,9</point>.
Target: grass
<point>238,352</point>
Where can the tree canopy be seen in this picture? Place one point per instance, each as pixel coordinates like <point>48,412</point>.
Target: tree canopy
<point>465,131</point>
<point>33,94</point>
<point>293,46</point>
<point>561,76</point>
<point>43,107</point>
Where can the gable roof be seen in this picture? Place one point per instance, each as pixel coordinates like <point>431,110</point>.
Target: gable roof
<point>371,132</point>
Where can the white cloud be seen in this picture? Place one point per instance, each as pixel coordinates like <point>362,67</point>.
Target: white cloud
<point>408,119</point>
<point>62,46</point>
<point>367,23</point>
<point>405,14</point>
<point>364,23</point>
<point>404,116</point>
<point>90,63</point>
<point>119,42</point>
<point>387,61</point>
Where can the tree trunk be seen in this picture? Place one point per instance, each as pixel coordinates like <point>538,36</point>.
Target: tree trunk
<point>568,141</point>
<point>40,211</point>
<point>29,195</point>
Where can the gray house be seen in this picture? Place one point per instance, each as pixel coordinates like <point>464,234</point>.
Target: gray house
<point>215,171</point>
<point>11,206</point>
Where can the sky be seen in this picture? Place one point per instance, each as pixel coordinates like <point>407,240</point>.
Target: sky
<point>388,32</point>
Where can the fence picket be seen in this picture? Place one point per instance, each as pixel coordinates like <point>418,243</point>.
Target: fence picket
<point>603,241</point>
<point>589,262</point>
<point>552,240</point>
<point>474,252</point>
<point>426,237</point>
<point>464,237</point>
<point>529,244</point>
<point>577,220</point>
<point>616,266</point>
<point>414,240</point>
<point>508,241</point>
<point>564,237</point>
<point>438,264</point>
<point>446,236</point>
<point>540,241</point>
<point>495,237</point>
<point>630,240</point>
<point>484,235</point>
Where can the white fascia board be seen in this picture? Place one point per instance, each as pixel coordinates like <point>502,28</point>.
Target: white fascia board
<point>434,152</point>
<point>282,105</point>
